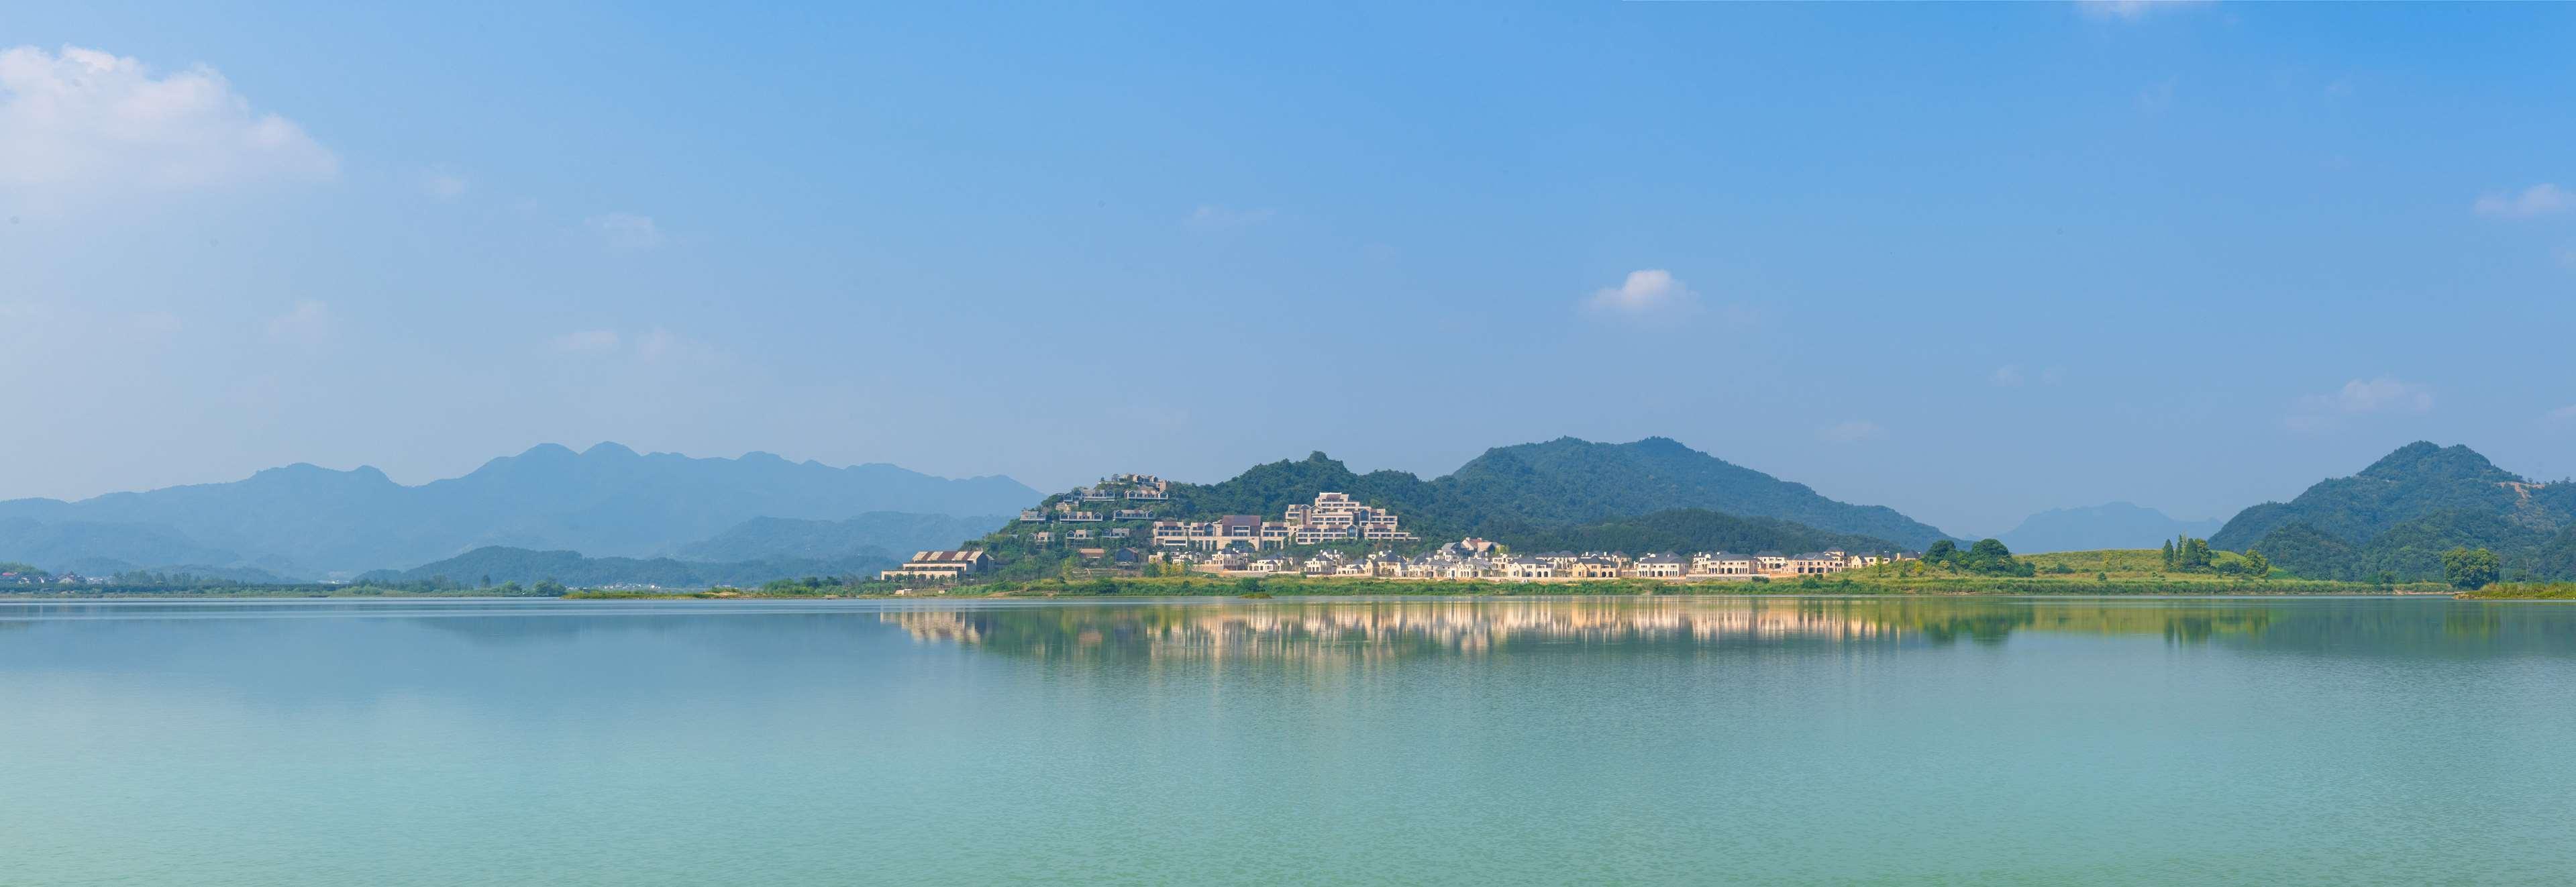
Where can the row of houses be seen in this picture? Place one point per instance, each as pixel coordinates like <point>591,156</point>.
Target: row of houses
<point>1089,503</point>
<point>1331,518</point>
<point>1079,537</point>
<point>18,578</point>
<point>1461,561</point>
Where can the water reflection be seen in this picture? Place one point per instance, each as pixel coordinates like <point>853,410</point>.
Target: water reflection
<point>1374,628</point>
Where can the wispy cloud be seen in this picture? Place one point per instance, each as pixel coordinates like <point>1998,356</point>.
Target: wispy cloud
<point>2538,200</point>
<point>656,343</point>
<point>2385,394</point>
<point>86,119</point>
<point>442,183</point>
<point>2563,415</point>
<point>1644,292</point>
<point>1853,431</point>
<point>585,341</point>
<point>2157,97</point>
<point>1211,217</point>
<point>652,345</point>
<point>307,325</point>
<point>625,232</point>
<point>2012,375</point>
<point>2130,10</point>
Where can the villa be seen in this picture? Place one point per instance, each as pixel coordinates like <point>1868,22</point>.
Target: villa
<point>940,565</point>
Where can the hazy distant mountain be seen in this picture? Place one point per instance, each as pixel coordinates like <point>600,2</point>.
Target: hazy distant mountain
<point>1548,486</point>
<point>879,533</point>
<point>497,564</point>
<point>2398,515</point>
<point>57,546</point>
<point>2111,525</point>
<point>606,501</point>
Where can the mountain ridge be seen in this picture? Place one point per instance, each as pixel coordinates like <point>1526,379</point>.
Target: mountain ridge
<point>1525,488</point>
<point>2395,517</point>
<point>303,519</point>
<point>496,564</point>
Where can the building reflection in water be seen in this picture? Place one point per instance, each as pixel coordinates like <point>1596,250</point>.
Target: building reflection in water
<point>1366,628</point>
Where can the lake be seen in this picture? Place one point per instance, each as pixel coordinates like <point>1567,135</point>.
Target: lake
<point>1472,741</point>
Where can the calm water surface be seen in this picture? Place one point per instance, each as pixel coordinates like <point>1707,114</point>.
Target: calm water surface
<point>1464,741</point>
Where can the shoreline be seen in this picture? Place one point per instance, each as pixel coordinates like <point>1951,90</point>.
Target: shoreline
<point>1326,590</point>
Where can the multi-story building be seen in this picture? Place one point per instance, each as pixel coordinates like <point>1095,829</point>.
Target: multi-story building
<point>1590,568</point>
<point>939,565</point>
<point>1723,565</point>
<point>1220,533</point>
<point>1334,517</point>
<point>1817,563</point>
<point>1660,566</point>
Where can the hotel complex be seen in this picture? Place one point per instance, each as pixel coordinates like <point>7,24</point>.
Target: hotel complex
<point>1100,523</point>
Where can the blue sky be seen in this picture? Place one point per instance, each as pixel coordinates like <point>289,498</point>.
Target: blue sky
<point>1967,261</point>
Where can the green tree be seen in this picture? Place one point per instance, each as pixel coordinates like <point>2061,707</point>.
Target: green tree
<point>2256,565</point>
<point>2169,554</point>
<point>2470,567</point>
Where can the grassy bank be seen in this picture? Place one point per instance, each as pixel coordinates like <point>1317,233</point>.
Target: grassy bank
<point>1858,583</point>
<point>2523,591</point>
<point>2133,563</point>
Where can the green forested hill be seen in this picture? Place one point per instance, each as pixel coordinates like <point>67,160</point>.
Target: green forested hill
<point>2397,516</point>
<point>1694,529</point>
<point>1570,480</point>
<point>1525,489</point>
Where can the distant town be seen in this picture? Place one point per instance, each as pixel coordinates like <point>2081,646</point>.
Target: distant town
<point>1294,545</point>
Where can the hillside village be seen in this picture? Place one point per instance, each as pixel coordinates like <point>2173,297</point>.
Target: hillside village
<point>1114,526</point>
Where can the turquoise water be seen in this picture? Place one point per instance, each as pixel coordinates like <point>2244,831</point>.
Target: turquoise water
<point>1645,740</point>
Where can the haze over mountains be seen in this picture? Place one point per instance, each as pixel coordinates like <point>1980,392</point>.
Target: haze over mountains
<point>2109,525</point>
<point>609,512</point>
<point>608,501</point>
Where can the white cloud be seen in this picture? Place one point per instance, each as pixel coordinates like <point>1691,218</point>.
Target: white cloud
<point>2538,200</point>
<point>1218,218</point>
<point>2006,376</point>
<point>1645,291</point>
<point>442,183</point>
<point>2052,375</point>
<point>1853,431</point>
<point>2385,394</point>
<point>83,119</point>
<point>2562,414</point>
<point>625,232</point>
<point>655,343</point>
<point>2158,96</point>
<point>2129,10</point>
<point>585,341</point>
<point>308,325</point>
